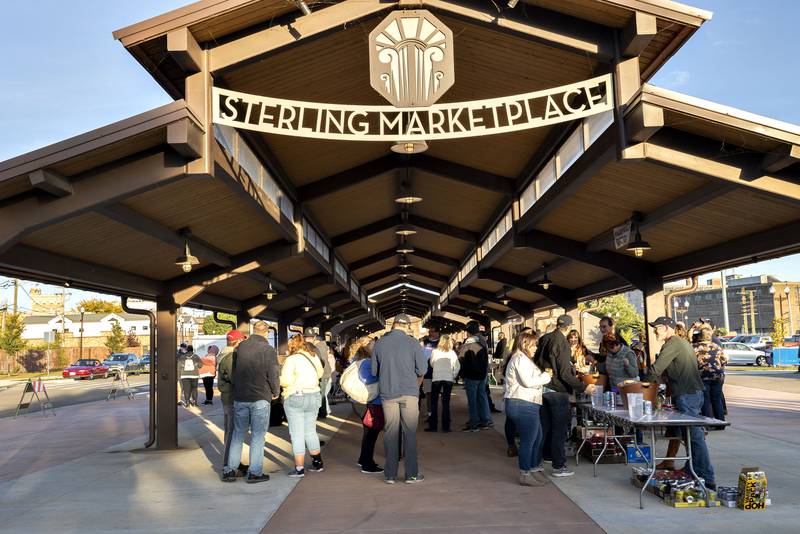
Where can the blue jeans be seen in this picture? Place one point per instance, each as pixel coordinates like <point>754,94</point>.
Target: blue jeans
<point>301,414</point>
<point>690,404</point>
<point>712,401</point>
<point>478,403</point>
<point>525,416</point>
<point>255,416</point>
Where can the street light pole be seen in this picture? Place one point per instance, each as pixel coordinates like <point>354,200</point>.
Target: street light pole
<point>80,349</point>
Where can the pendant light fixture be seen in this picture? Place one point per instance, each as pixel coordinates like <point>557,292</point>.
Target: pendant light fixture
<point>545,282</point>
<point>638,246</point>
<point>307,306</point>
<point>404,194</point>
<point>410,147</point>
<point>270,292</point>
<point>404,263</point>
<point>405,229</point>
<point>325,313</point>
<point>186,261</point>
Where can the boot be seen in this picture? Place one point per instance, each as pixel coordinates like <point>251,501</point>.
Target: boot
<point>527,479</point>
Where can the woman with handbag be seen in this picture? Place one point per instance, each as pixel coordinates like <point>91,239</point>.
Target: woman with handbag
<point>300,376</point>
<point>371,413</point>
<point>523,398</point>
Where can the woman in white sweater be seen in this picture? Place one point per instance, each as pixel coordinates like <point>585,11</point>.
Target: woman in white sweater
<point>445,365</point>
<point>300,377</point>
<point>523,398</point>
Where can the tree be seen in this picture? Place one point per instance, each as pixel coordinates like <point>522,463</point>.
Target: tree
<point>778,332</point>
<point>99,306</point>
<point>11,336</point>
<point>132,340</point>
<point>625,316</point>
<point>117,340</point>
<point>212,327</point>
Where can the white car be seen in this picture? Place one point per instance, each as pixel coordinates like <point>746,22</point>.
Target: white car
<point>741,354</point>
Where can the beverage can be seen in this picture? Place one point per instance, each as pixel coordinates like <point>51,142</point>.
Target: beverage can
<point>648,407</point>
<point>613,401</point>
<point>608,400</point>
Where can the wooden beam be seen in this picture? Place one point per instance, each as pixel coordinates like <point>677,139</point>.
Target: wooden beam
<point>517,306</point>
<point>563,297</point>
<point>665,212</point>
<point>597,156</point>
<point>91,189</point>
<point>628,267</point>
<point>342,180</point>
<point>365,231</point>
<point>463,174</point>
<point>186,138</point>
<point>435,257</point>
<point>638,33</point>
<point>705,158</point>
<point>442,228</point>
<point>580,37</point>
<point>643,121</point>
<point>603,288</point>
<point>374,258</point>
<point>781,158</point>
<point>367,280</point>
<point>255,46</point>
<point>50,182</point>
<point>778,241</point>
<point>184,49</point>
<point>552,266</point>
<point>135,220</point>
<point>427,274</point>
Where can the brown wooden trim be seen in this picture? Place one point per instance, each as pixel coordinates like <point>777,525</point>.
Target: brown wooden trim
<point>442,228</point>
<point>50,182</point>
<point>563,297</point>
<point>464,174</point>
<point>365,231</point>
<point>184,49</point>
<point>342,180</point>
<point>638,33</point>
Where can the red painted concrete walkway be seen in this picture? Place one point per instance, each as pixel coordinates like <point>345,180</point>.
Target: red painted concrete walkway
<point>470,487</point>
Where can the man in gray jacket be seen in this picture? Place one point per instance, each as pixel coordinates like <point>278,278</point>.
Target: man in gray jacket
<point>400,363</point>
<point>256,381</point>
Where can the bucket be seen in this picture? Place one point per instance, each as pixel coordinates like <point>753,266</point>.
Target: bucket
<point>602,380</point>
<point>634,387</point>
<point>650,391</point>
<point>589,378</point>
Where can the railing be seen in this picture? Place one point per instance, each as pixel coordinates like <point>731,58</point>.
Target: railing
<point>340,271</point>
<point>315,240</point>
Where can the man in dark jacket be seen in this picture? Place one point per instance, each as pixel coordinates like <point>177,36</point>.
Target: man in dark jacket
<point>678,360</point>
<point>553,354</point>
<point>474,358</point>
<point>256,381</point>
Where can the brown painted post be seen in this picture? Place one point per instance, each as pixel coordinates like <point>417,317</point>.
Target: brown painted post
<point>243,322</point>
<point>283,336</point>
<point>654,306</point>
<point>166,374</point>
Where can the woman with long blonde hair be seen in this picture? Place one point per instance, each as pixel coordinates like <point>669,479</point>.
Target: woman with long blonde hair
<point>445,365</point>
<point>300,376</point>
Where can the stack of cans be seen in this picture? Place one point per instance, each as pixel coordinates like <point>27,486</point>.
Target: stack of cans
<point>727,495</point>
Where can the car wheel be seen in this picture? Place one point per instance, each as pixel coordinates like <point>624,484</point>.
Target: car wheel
<point>762,361</point>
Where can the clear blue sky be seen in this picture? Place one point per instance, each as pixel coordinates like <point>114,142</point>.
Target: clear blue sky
<point>61,73</point>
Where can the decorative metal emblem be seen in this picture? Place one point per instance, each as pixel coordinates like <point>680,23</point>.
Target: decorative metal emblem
<point>411,58</point>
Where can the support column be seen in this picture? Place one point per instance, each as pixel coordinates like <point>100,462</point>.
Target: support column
<point>655,306</point>
<point>283,336</point>
<point>166,374</point>
<point>243,322</point>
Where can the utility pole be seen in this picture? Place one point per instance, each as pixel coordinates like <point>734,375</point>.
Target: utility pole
<point>752,312</point>
<point>744,312</point>
<point>16,292</point>
<point>725,319</point>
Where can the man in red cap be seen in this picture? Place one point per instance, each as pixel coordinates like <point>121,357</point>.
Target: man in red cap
<point>225,386</point>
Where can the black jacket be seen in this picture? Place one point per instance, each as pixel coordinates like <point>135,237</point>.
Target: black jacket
<point>553,353</point>
<point>474,358</point>
<point>256,375</point>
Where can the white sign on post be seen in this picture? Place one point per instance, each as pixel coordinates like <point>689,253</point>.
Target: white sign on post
<point>622,235</point>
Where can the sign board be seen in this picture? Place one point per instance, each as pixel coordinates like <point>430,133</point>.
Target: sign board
<point>391,124</point>
<point>622,235</point>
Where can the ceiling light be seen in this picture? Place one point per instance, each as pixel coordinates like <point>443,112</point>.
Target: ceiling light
<point>307,306</point>
<point>404,249</point>
<point>270,292</point>
<point>186,261</point>
<point>506,301</point>
<point>483,311</point>
<point>404,262</point>
<point>638,246</point>
<point>405,229</point>
<point>512,3</point>
<point>410,147</point>
<point>326,313</point>
<point>403,275</point>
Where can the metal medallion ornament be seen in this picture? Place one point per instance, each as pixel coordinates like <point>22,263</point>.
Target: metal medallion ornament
<point>411,58</point>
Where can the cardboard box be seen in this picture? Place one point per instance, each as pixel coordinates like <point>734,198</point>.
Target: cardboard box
<point>635,457</point>
<point>752,489</point>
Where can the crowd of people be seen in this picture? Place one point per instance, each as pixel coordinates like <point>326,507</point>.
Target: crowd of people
<point>541,378</point>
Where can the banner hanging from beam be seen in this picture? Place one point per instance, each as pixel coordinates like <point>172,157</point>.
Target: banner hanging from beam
<point>391,124</point>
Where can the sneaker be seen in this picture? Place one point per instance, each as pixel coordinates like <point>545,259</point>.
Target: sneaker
<point>374,470</point>
<point>297,472</point>
<point>255,479</point>
<point>413,479</point>
<point>241,471</point>
<point>540,476</point>
<point>390,480</point>
<point>563,472</point>
<point>429,429</point>
<point>527,479</point>
<point>546,461</point>
<point>512,451</point>
<point>486,426</point>
<point>317,466</point>
<point>537,469</point>
<point>469,428</point>
<point>229,476</point>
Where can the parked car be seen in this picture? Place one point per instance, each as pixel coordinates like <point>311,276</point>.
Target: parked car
<point>791,341</point>
<point>90,369</point>
<point>121,361</point>
<point>741,354</point>
<point>145,363</point>
<point>755,341</point>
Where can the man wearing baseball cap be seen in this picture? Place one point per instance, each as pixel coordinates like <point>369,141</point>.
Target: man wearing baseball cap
<point>400,363</point>
<point>553,353</point>
<point>225,386</point>
<point>678,360</point>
